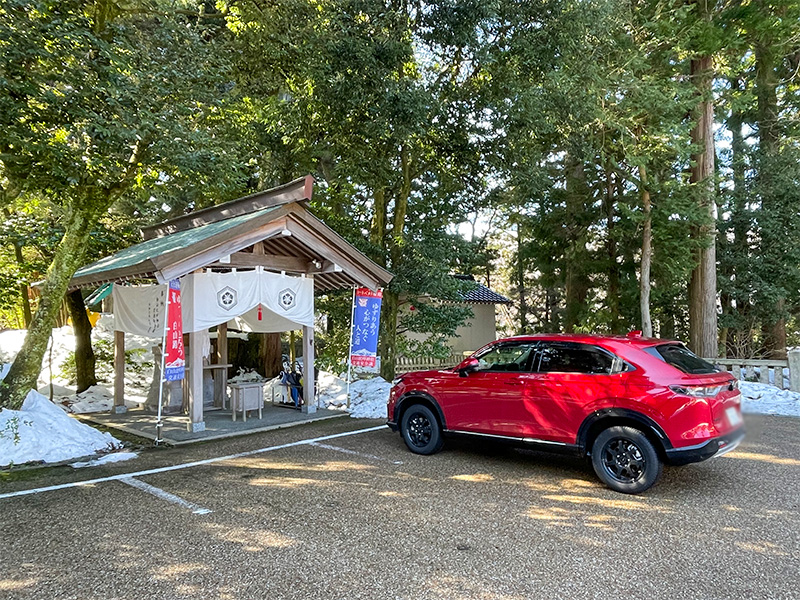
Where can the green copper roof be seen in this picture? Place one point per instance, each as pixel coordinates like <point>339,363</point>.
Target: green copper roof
<point>144,252</point>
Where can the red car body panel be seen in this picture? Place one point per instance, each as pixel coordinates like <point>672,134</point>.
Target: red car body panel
<point>555,407</point>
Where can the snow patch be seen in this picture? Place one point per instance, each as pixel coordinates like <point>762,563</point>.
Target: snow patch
<point>765,399</point>
<point>104,460</point>
<point>42,432</point>
<point>368,397</point>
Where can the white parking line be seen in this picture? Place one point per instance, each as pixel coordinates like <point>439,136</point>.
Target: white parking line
<point>361,454</point>
<point>159,493</point>
<point>189,465</point>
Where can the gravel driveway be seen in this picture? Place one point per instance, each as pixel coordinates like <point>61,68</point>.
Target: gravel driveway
<point>361,517</point>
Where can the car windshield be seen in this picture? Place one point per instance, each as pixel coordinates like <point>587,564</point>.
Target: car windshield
<point>684,359</point>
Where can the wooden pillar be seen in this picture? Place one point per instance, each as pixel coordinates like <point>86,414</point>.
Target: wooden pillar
<point>196,422</point>
<point>309,400</point>
<point>222,343</point>
<point>222,359</point>
<point>119,373</point>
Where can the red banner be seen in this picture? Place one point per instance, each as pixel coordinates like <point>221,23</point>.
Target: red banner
<point>175,360</point>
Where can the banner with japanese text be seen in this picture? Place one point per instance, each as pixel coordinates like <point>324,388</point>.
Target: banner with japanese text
<point>366,322</point>
<point>175,360</point>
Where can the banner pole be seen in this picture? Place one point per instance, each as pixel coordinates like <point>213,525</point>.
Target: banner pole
<point>163,362</point>
<point>350,347</point>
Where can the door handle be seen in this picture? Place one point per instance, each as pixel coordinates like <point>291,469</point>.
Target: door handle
<point>514,382</point>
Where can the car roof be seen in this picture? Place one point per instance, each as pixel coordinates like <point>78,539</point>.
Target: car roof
<point>587,338</point>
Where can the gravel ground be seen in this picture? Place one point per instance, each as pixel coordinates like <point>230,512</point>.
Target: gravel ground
<point>474,521</point>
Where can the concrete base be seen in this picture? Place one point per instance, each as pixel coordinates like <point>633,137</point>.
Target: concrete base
<point>196,427</point>
<point>309,409</point>
<point>119,410</point>
<point>218,423</point>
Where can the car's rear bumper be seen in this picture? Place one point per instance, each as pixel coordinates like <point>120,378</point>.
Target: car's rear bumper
<point>709,449</point>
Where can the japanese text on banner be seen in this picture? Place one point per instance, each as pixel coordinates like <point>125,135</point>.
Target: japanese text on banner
<point>366,323</point>
<point>175,360</point>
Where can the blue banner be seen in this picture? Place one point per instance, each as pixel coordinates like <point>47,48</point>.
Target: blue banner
<point>366,323</point>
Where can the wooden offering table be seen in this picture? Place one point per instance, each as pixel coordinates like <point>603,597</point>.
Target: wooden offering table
<point>246,396</point>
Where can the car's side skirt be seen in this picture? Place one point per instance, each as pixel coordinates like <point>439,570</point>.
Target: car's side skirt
<point>520,442</point>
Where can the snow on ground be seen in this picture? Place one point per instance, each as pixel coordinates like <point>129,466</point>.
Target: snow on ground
<point>368,397</point>
<point>98,398</point>
<point>104,460</point>
<point>766,399</point>
<point>42,432</point>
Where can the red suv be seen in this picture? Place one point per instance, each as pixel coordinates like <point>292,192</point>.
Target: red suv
<point>629,403</point>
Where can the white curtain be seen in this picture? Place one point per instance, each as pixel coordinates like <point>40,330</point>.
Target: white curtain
<point>250,301</point>
<point>285,302</point>
<point>139,309</point>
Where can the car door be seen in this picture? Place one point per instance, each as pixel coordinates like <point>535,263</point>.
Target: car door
<point>483,401</point>
<point>570,380</point>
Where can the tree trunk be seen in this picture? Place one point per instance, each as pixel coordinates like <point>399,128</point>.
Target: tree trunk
<point>84,354</point>
<point>703,284</point>
<point>738,339</point>
<point>270,354</point>
<point>377,230</point>
<point>576,283</point>
<point>24,372</point>
<point>523,301</point>
<point>774,324</point>
<point>613,293</point>
<point>388,336</point>
<point>23,288</point>
<point>391,302</point>
<point>647,256</point>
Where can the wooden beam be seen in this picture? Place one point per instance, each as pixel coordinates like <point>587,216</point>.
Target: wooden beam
<point>268,261</point>
<point>310,239</point>
<point>196,422</point>
<point>326,266</point>
<point>309,401</point>
<point>119,373</point>
<point>169,268</point>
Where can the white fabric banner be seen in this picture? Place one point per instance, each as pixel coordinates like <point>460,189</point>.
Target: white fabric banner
<point>139,309</point>
<point>213,298</point>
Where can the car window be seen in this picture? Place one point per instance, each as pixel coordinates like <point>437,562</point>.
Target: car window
<point>683,359</point>
<point>514,357</point>
<point>570,357</point>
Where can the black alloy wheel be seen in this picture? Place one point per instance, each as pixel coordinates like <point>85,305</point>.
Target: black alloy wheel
<point>420,430</point>
<point>625,460</point>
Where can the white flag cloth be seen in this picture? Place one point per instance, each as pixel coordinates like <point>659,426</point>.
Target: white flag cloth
<point>251,301</point>
<point>139,309</point>
<point>213,298</point>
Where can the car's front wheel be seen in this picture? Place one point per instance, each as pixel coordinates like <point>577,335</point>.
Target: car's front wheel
<point>625,460</point>
<point>420,430</point>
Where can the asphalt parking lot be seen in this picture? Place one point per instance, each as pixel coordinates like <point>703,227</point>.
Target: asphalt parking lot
<point>359,516</point>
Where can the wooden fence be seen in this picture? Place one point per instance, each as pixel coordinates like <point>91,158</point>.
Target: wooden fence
<point>425,363</point>
<point>784,374</point>
<point>762,371</point>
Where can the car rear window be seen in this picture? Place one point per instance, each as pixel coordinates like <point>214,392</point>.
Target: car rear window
<point>568,357</point>
<point>683,359</point>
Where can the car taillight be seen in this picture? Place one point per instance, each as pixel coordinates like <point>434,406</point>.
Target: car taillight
<point>694,391</point>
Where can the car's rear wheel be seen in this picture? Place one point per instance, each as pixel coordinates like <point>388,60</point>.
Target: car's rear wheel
<point>625,460</point>
<point>421,430</point>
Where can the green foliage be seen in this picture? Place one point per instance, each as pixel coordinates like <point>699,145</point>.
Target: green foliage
<point>11,429</point>
<point>104,355</point>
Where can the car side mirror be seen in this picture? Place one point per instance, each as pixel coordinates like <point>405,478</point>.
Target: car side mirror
<point>468,366</point>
